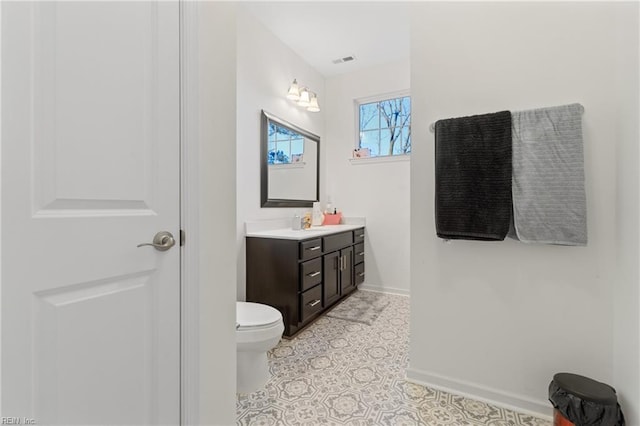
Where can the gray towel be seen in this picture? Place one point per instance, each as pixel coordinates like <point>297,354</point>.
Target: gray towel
<point>549,201</point>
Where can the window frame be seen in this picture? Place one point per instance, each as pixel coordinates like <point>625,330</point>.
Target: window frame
<point>288,141</point>
<point>371,99</point>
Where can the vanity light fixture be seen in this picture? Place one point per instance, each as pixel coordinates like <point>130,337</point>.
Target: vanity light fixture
<point>303,97</point>
<point>313,104</point>
<point>294,91</point>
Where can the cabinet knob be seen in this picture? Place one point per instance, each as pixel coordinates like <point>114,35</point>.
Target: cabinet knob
<point>314,303</point>
<point>314,274</point>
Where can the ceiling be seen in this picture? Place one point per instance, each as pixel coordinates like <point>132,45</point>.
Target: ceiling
<point>321,31</point>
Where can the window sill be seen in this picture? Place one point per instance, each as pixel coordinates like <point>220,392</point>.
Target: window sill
<point>299,165</point>
<point>382,159</point>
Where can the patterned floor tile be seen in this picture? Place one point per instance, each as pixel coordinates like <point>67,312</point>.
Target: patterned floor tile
<point>345,373</point>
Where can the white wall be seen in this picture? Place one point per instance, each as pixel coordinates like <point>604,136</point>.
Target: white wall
<point>377,191</point>
<point>217,198</point>
<point>497,320</point>
<point>265,69</point>
<point>626,325</point>
<point>296,180</point>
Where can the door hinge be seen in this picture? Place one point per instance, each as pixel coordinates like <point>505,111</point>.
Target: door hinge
<point>182,237</point>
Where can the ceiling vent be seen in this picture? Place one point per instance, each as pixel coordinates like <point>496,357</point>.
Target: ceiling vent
<point>345,59</point>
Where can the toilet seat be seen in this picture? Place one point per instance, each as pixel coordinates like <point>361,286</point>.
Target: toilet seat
<point>256,316</point>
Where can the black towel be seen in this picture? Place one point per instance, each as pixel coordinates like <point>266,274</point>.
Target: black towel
<point>473,177</point>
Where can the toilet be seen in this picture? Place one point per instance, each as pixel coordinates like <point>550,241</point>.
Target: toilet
<point>258,329</point>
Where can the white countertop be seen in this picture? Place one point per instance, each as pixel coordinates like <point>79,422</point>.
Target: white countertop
<point>313,232</point>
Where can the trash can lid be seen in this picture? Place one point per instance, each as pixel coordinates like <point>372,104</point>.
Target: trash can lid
<point>586,388</point>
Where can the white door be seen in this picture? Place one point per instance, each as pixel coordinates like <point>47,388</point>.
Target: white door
<point>90,169</point>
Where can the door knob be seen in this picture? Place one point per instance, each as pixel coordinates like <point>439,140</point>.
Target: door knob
<point>162,241</point>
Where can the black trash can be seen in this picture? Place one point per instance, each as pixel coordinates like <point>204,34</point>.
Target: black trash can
<point>583,401</point>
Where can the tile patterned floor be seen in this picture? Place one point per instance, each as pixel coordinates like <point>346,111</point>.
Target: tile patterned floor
<point>339,372</point>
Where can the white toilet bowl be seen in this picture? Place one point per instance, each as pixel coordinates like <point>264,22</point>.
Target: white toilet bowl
<point>258,329</point>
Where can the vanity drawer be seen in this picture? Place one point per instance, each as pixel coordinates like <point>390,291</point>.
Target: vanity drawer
<point>358,273</point>
<point>310,273</point>
<point>310,249</point>
<point>358,235</point>
<point>337,241</point>
<point>358,253</point>
<point>310,303</point>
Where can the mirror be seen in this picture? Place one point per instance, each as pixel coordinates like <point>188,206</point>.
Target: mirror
<point>289,165</point>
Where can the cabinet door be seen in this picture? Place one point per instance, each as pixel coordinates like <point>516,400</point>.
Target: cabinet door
<point>358,253</point>
<point>310,273</point>
<point>310,303</point>
<point>310,249</point>
<point>359,273</point>
<point>331,274</point>
<point>346,274</point>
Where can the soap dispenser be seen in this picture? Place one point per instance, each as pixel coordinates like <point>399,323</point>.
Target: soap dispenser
<point>329,208</point>
<point>317,216</point>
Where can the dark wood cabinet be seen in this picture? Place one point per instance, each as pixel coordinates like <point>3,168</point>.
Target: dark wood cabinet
<point>358,256</point>
<point>303,278</point>
<point>331,269</point>
<point>347,284</point>
<point>338,275</point>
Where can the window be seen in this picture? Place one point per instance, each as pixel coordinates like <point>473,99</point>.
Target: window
<point>284,146</point>
<point>384,126</point>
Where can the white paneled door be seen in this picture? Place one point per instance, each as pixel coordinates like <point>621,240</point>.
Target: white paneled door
<point>90,169</point>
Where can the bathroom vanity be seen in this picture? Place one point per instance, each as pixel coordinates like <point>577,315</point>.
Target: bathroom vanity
<point>303,273</point>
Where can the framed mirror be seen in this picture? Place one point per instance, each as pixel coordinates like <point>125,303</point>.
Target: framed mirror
<point>289,164</point>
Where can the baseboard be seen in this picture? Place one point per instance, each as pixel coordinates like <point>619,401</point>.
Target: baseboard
<point>482,393</point>
<point>381,289</point>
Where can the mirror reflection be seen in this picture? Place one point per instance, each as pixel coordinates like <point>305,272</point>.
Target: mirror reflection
<point>290,164</point>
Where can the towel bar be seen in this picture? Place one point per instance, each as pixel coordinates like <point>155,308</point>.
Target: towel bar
<point>432,126</point>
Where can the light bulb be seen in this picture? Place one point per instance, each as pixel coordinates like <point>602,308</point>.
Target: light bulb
<point>294,91</point>
<point>313,104</point>
<point>304,98</point>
